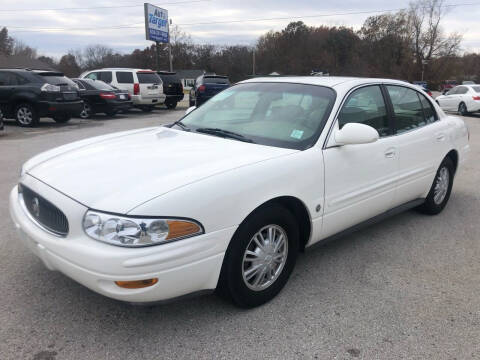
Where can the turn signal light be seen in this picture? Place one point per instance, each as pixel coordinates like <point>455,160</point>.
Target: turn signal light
<point>179,229</point>
<point>137,284</point>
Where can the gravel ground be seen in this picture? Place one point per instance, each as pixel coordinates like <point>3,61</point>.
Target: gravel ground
<point>407,288</point>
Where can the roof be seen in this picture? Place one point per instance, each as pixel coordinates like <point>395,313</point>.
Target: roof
<point>189,74</point>
<point>329,81</point>
<point>18,62</point>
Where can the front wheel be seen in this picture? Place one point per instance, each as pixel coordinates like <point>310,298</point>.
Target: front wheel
<point>147,109</point>
<point>171,105</point>
<point>441,188</point>
<point>26,115</point>
<point>260,257</point>
<point>87,111</point>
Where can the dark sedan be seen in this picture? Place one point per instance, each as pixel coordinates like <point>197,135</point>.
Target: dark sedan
<point>99,97</point>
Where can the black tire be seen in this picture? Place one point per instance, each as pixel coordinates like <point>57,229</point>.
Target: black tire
<point>232,284</point>
<point>26,115</point>
<point>432,205</point>
<point>191,102</point>
<point>462,109</point>
<point>171,105</point>
<point>62,118</point>
<point>111,113</point>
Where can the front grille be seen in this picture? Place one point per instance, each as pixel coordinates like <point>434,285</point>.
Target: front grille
<point>44,212</point>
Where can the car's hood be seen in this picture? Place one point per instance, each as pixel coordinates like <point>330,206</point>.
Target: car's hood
<point>117,173</point>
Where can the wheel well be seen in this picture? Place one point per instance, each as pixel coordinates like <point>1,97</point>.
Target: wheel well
<point>299,210</point>
<point>453,155</point>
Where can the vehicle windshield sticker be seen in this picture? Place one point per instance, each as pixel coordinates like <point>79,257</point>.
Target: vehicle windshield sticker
<point>296,134</point>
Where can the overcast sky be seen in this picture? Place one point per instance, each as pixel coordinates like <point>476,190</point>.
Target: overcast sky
<point>463,19</point>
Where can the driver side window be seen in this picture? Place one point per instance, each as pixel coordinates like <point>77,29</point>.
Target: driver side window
<point>366,106</point>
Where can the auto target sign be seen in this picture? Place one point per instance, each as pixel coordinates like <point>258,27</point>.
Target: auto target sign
<point>156,24</point>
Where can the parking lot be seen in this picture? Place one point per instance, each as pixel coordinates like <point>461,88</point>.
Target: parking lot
<point>406,288</point>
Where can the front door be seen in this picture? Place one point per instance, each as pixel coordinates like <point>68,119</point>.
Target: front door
<point>360,180</point>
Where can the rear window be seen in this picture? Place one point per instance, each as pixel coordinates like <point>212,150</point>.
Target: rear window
<point>148,78</point>
<point>170,78</point>
<point>100,85</point>
<point>58,80</point>
<point>476,88</point>
<point>215,80</point>
<point>124,77</point>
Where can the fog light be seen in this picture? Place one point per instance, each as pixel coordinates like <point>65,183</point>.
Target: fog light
<point>137,284</point>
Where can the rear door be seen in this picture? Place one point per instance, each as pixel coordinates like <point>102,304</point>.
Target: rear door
<point>421,142</point>
<point>124,81</point>
<point>360,180</point>
<point>151,85</point>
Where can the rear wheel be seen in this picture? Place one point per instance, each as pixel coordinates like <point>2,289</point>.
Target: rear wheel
<point>171,105</point>
<point>111,113</point>
<point>62,118</point>
<point>26,115</point>
<point>462,109</point>
<point>87,111</point>
<point>191,102</point>
<point>147,108</point>
<point>260,257</point>
<point>441,188</point>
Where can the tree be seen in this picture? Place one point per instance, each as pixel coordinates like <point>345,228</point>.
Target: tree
<point>68,65</point>
<point>6,42</point>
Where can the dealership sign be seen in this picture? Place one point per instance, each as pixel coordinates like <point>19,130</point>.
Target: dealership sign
<point>156,23</point>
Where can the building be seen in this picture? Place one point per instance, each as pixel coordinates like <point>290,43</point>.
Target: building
<point>188,77</point>
<point>18,61</point>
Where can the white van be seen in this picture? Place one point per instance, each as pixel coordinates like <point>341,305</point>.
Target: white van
<point>144,86</point>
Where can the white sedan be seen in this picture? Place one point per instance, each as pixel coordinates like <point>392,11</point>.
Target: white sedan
<point>464,98</point>
<point>227,196</point>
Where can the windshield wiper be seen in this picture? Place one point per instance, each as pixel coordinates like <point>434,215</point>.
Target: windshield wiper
<point>181,125</point>
<point>224,133</point>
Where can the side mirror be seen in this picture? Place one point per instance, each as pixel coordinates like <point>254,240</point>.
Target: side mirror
<point>355,133</point>
<point>190,109</point>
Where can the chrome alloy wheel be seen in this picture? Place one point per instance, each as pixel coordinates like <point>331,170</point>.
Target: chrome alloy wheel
<point>265,257</point>
<point>441,185</point>
<point>86,112</point>
<point>24,115</point>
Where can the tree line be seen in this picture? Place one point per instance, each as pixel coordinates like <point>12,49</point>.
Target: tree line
<point>400,45</point>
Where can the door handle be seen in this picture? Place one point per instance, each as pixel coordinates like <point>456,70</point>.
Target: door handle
<point>440,137</point>
<point>390,153</point>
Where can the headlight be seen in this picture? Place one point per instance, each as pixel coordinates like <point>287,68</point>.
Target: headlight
<point>50,88</point>
<point>137,232</point>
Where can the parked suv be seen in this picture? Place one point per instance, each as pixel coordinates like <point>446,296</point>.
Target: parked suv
<point>27,95</point>
<point>172,88</point>
<point>207,86</point>
<point>144,86</point>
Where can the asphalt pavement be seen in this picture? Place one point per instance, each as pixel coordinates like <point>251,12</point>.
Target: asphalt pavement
<point>406,288</point>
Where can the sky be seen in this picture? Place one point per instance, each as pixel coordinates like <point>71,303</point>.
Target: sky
<point>28,21</point>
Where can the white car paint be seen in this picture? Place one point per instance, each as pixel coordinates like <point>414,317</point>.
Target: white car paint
<point>219,182</point>
<point>149,93</point>
<point>466,94</point>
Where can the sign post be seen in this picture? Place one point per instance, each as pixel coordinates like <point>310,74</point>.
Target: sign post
<point>157,29</point>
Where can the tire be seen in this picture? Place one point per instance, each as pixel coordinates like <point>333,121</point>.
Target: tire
<point>147,109</point>
<point>462,109</point>
<point>62,119</point>
<point>111,113</point>
<point>440,191</point>
<point>191,102</point>
<point>171,105</point>
<point>241,284</point>
<point>87,111</point>
<point>26,115</point>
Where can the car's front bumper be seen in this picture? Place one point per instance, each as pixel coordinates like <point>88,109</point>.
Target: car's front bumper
<point>181,267</point>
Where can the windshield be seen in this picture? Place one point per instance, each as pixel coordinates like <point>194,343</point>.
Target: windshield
<point>148,78</point>
<point>215,80</point>
<point>275,114</point>
<point>58,80</point>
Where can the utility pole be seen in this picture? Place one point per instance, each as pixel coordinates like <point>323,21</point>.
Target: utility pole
<point>253,62</point>
<point>170,55</point>
<point>157,55</point>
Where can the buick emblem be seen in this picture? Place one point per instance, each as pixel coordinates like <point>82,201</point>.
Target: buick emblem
<point>36,207</point>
